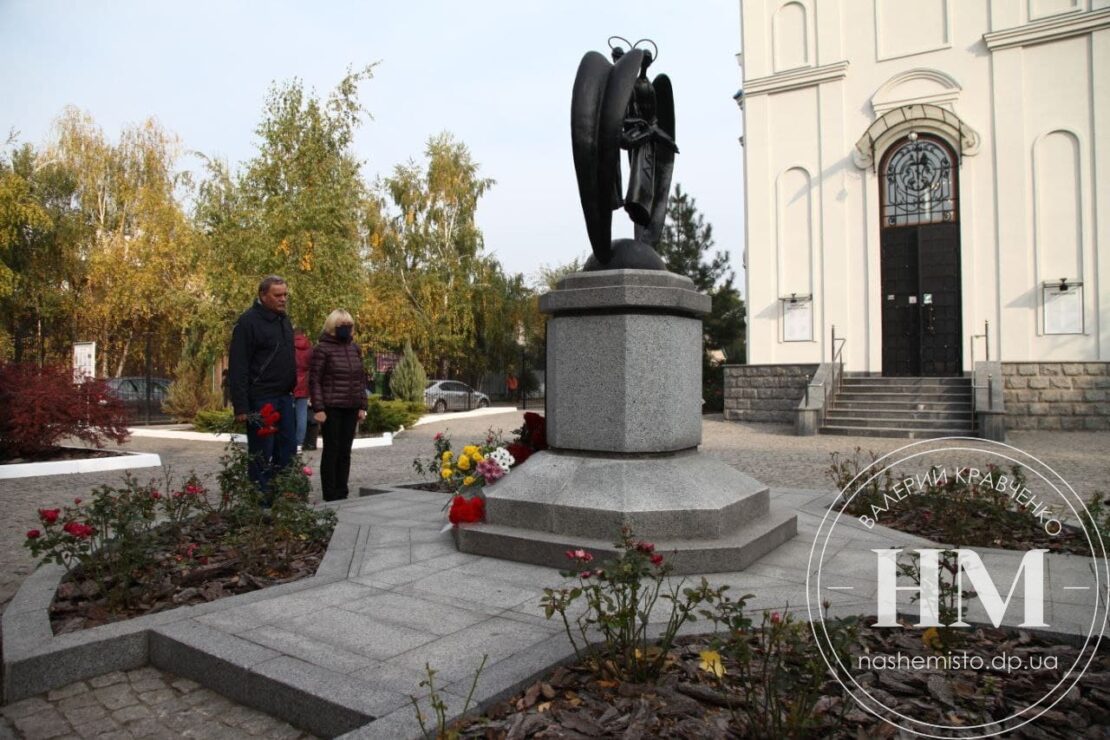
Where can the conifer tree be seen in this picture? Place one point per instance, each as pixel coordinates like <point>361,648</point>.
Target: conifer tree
<point>409,378</point>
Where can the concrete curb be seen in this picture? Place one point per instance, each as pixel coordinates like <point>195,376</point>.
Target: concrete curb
<point>121,461</point>
<point>35,660</point>
<point>360,443</point>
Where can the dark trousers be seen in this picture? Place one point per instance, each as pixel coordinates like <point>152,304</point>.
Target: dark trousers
<point>267,455</point>
<point>338,432</point>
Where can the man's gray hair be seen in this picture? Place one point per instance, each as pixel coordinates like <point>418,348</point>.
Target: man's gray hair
<point>268,282</point>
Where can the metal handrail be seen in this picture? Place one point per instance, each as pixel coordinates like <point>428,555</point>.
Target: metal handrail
<point>837,351</point>
<point>990,394</point>
<point>986,337</point>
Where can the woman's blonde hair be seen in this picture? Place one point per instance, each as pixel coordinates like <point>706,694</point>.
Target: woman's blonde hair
<point>335,318</point>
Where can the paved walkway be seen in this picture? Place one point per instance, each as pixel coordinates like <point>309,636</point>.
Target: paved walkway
<point>144,702</point>
<point>407,598</point>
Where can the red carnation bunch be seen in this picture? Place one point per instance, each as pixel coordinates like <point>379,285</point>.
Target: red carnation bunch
<point>466,511</point>
<point>269,417</point>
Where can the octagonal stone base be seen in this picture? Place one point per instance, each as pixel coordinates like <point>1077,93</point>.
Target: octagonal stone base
<point>707,516</point>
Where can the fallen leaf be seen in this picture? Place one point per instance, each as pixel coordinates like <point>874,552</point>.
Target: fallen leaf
<point>711,663</point>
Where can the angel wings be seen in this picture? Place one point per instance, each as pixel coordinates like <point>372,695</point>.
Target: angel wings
<point>615,107</point>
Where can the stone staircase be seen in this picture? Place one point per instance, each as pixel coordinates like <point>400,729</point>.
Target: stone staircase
<point>916,408</point>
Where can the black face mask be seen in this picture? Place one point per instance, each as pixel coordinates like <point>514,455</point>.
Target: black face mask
<point>343,333</point>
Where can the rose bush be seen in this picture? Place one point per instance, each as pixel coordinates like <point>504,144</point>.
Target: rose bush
<point>118,538</point>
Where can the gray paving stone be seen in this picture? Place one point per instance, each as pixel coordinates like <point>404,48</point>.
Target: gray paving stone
<point>41,725</point>
<point>419,614</point>
<point>474,590</point>
<point>358,633</point>
<point>184,685</point>
<point>116,696</point>
<point>78,716</point>
<point>459,654</point>
<point>107,679</point>
<point>308,649</point>
<point>131,713</point>
<point>26,707</point>
<point>337,704</point>
<point>158,696</point>
<point>98,727</point>
<point>74,689</point>
<point>77,701</point>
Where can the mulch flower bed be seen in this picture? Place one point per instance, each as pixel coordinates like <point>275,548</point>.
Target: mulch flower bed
<point>690,702</point>
<point>193,568</point>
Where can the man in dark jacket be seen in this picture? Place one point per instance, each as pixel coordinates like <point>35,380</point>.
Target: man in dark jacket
<point>262,375</point>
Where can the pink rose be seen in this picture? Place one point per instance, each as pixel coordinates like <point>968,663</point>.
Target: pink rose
<point>33,534</point>
<point>307,470</point>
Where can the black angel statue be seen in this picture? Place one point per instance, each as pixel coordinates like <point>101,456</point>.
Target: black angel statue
<point>614,107</point>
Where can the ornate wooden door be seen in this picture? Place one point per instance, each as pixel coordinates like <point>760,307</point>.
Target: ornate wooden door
<point>920,260</point>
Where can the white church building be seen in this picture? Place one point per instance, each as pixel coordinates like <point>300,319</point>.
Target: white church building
<point>932,179</point>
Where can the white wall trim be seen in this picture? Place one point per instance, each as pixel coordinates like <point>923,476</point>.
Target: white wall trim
<point>795,78</point>
<point>883,99</point>
<point>1049,29</point>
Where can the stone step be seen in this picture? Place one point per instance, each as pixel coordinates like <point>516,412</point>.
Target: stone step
<point>900,380</point>
<point>901,422</point>
<point>960,407</point>
<point>901,387</point>
<point>839,412</point>
<point>731,552</point>
<point>896,432</point>
<point>954,396</point>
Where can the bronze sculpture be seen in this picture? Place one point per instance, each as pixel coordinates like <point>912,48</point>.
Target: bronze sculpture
<point>615,107</point>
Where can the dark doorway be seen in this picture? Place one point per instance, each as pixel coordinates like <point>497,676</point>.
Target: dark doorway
<point>920,260</point>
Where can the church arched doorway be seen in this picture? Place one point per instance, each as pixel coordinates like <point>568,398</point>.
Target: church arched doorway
<point>920,258</point>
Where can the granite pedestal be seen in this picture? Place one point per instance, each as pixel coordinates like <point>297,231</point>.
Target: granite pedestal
<point>624,423</point>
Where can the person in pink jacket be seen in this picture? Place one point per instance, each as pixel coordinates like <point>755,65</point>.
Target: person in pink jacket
<point>302,347</point>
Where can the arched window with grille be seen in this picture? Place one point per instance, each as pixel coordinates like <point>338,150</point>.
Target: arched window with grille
<point>919,183</point>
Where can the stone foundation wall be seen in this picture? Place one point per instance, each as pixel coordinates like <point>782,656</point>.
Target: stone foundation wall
<point>765,392</point>
<point>1057,395</point>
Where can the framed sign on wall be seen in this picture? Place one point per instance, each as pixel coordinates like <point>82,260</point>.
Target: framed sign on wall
<point>797,318</point>
<point>1062,307</point>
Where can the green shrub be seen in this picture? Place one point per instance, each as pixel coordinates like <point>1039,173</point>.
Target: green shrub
<point>218,421</point>
<point>190,392</point>
<point>389,416</point>
<point>409,379</point>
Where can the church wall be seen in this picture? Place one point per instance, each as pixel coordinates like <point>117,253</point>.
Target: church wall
<point>817,75</point>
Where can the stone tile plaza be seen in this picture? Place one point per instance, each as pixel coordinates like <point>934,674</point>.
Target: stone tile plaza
<point>373,462</point>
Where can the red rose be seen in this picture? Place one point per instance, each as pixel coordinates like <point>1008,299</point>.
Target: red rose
<point>78,530</point>
<point>645,547</point>
<point>267,409</point>
<point>656,560</point>
<point>519,452</point>
<point>49,516</point>
<point>155,495</point>
<point>267,431</point>
<point>33,534</point>
<point>76,502</point>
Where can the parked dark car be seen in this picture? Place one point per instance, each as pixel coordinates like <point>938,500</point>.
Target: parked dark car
<point>132,391</point>
<point>452,395</point>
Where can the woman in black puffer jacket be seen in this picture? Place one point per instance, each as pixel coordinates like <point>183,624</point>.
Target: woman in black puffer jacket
<point>337,387</point>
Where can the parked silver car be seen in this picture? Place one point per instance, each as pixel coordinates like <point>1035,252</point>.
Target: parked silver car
<point>452,395</point>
